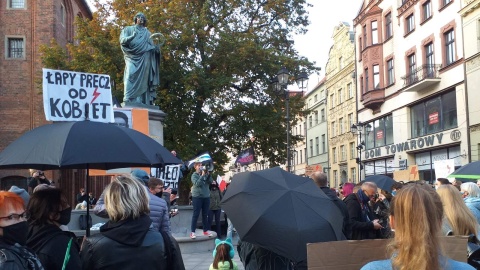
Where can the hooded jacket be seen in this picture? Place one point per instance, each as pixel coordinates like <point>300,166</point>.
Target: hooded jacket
<point>126,244</point>
<point>473,203</point>
<point>50,244</point>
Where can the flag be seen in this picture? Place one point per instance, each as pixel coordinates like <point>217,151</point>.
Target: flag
<point>222,184</point>
<point>205,157</point>
<point>246,157</point>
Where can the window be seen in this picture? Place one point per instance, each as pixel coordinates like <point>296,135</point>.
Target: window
<point>350,90</point>
<point>364,36</point>
<point>16,3</point>
<point>374,33</point>
<point>63,15</point>
<point>412,69</point>
<point>429,60</point>
<point>310,121</point>
<point>446,2</point>
<point>334,154</point>
<point>376,76</point>
<point>434,115</point>
<point>343,153</point>
<point>353,172</point>
<point>410,22</point>
<point>332,101</point>
<point>340,126</point>
<point>427,10</point>
<point>315,99</point>
<point>322,114</point>
<point>361,85</point>
<point>390,74</point>
<point>350,120</point>
<point>311,147</point>
<point>388,26</point>
<point>15,48</point>
<point>381,134</point>
<point>340,96</point>
<point>352,150</point>
<point>360,45</point>
<point>449,47</point>
<point>323,144</point>
<point>316,117</point>
<point>366,80</point>
<point>317,146</point>
<point>333,129</point>
<point>335,176</point>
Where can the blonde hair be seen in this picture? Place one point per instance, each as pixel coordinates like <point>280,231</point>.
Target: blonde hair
<point>417,212</point>
<point>457,213</point>
<point>126,197</point>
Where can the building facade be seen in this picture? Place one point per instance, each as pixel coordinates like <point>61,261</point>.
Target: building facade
<point>470,14</point>
<point>24,26</point>
<point>298,155</point>
<point>411,91</point>
<point>316,129</point>
<point>341,106</point>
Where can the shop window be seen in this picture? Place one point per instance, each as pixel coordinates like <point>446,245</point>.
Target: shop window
<point>434,115</point>
<point>381,134</point>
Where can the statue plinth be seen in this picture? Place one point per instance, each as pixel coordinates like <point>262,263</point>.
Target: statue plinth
<point>133,104</point>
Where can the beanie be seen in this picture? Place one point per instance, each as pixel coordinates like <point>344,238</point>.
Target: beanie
<point>22,193</point>
<point>141,175</point>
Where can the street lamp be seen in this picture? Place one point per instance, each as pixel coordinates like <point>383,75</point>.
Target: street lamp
<point>280,87</point>
<point>359,129</point>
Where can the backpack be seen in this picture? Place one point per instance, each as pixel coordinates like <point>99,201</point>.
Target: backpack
<point>83,222</point>
<point>473,247</point>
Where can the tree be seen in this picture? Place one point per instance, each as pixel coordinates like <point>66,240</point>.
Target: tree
<point>217,63</point>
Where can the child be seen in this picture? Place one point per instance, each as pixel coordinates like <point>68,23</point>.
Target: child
<point>223,255</point>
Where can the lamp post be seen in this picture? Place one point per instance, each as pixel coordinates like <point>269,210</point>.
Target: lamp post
<point>359,129</point>
<point>280,87</point>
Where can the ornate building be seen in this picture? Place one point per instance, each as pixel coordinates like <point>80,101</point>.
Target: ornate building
<point>340,86</point>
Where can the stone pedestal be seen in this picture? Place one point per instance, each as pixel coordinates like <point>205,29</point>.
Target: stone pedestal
<point>155,124</point>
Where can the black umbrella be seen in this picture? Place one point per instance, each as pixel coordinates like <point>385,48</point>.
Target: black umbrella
<point>84,145</point>
<point>468,171</point>
<point>383,182</point>
<point>281,212</point>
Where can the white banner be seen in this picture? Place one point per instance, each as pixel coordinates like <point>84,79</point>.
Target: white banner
<point>74,96</point>
<point>169,176</point>
<point>444,168</point>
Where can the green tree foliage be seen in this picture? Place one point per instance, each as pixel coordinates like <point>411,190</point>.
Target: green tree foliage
<point>217,63</point>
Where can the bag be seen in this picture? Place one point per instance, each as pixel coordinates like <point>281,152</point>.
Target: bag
<point>83,222</point>
<point>473,248</point>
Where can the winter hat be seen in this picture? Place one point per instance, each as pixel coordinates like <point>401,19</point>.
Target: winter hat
<point>141,175</point>
<point>22,193</point>
<point>227,241</point>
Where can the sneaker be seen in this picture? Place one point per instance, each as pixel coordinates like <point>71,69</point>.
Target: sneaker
<point>208,233</point>
<point>192,235</point>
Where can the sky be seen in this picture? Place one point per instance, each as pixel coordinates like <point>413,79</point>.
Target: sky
<point>316,43</point>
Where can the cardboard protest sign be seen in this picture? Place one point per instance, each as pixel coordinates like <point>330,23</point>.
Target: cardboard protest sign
<point>169,175</point>
<point>76,96</point>
<point>352,255</point>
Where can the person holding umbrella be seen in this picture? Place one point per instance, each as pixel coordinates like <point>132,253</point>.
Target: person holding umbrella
<point>201,180</point>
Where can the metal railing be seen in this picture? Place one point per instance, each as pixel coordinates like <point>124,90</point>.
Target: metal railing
<point>420,74</point>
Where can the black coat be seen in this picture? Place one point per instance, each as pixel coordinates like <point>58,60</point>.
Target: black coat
<point>343,208</point>
<point>127,244</point>
<point>361,227</point>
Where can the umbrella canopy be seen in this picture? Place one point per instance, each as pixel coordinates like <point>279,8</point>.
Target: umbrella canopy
<point>281,212</point>
<point>468,171</point>
<point>82,145</point>
<point>383,182</point>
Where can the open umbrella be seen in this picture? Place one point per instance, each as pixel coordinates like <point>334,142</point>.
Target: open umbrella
<point>383,182</point>
<point>468,171</point>
<point>84,145</point>
<point>281,212</point>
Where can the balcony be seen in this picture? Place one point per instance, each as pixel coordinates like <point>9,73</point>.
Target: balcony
<point>422,78</point>
<point>373,99</point>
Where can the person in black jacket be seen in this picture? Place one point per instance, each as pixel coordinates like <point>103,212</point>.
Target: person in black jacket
<point>362,221</point>
<point>127,240</point>
<point>321,180</point>
<point>47,210</point>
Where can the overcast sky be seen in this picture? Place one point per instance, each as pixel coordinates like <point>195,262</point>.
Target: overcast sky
<point>324,16</point>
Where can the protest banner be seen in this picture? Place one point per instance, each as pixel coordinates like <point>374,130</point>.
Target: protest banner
<point>77,96</point>
<point>169,175</point>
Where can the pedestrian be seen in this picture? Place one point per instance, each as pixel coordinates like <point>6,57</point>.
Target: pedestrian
<point>230,228</point>
<point>37,178</point>
<point>215,209</point>
<point>127,240</point>
<point>416,216</point>
<point>13,235</point>
<point>82,196</point>
<point>201,180</point>
<point>223,255</point>
<point>471,196</point>
<point>458,220</point>
<point>47,210</point>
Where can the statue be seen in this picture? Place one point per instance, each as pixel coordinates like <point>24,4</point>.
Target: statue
<point>142,62</point>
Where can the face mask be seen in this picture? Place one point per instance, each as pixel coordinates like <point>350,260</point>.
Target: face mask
<point>159,194</point>
<point>65,215</point>
<point>16,233</point>
<point>394,193</point>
